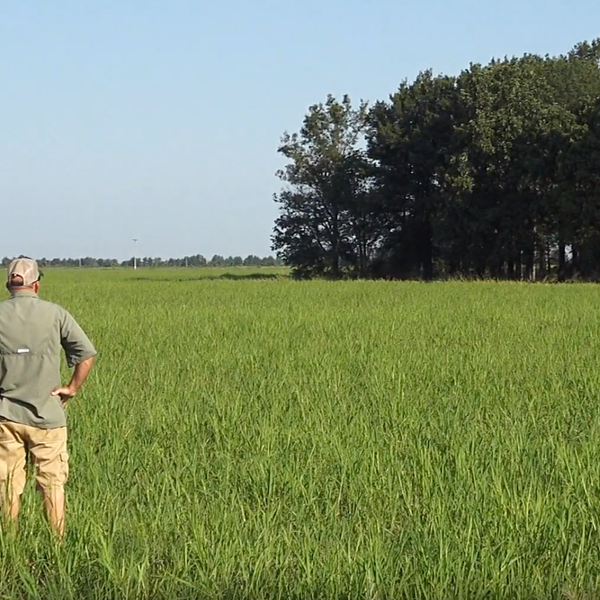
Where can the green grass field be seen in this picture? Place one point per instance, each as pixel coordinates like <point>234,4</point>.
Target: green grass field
<point>279,439</point>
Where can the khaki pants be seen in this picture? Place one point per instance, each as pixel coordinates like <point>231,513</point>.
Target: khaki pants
<point>47,449</point>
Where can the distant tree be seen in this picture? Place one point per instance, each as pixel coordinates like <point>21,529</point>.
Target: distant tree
<point>196,260</point>
<point>252,261</point>
<point>324,197</point>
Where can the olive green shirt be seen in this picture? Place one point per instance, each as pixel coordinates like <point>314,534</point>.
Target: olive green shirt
<point>32,333</point>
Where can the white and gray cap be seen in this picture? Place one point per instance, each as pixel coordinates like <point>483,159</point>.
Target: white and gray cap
<point>22,272</point>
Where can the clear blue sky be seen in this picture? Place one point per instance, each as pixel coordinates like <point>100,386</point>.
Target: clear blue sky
<point>161,119</point>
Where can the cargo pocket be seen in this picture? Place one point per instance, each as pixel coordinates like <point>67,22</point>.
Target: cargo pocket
<point>3,475</point>
<point>64,464</point>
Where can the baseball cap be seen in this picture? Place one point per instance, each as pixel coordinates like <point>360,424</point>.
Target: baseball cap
<point>25,269</point>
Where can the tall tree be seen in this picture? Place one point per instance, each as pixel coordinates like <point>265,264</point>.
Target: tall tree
<point>321,227</point>
<point>412,142</point>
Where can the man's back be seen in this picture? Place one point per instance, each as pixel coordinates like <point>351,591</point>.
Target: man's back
<point>32,334</point>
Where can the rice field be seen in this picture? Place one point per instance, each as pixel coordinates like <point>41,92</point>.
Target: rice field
<point>264,438</point>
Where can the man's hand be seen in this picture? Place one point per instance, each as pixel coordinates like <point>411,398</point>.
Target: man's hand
<point>82,370</point>
<point>65,393</point>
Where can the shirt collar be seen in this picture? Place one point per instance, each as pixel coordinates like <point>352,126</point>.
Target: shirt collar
<point>24,294</point>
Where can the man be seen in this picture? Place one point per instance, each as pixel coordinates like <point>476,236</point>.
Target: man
<point>32,417</point>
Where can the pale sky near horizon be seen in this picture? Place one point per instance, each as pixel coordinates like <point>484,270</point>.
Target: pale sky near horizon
<point>160,120</point>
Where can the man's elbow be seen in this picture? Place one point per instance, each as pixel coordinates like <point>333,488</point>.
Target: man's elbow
<point>88,362</point>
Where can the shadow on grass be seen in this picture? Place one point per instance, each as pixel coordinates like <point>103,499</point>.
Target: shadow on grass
<point>254,276</point>
<point>224,276</point>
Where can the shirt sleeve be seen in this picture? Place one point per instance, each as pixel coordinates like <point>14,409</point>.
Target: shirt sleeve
<point>76,344</point>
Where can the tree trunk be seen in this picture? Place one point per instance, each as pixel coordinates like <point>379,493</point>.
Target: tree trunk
<point>496,269</point>
<point>335,249</point>
<point>574,260</point>
<point>528,275</point>
<point>427,250</point>
<point>518,267</point>
<point>529,256</point>
<point>541,272</point>
<point>363,260</point>
<point>453,266</point>
<point>561,260</point>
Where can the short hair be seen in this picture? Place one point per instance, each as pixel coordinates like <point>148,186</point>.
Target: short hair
<point>16,281</point>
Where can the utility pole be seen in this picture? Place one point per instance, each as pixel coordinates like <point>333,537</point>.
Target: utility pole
<point>134,254</point>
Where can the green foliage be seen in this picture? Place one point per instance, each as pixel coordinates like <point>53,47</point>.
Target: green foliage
<point>411,141</point>
<point>281,439</point>
<point>482,174</point>
<point>324,224</point>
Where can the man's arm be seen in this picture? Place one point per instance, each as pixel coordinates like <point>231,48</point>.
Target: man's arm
<point>80,354</point>
<point>82,370</point>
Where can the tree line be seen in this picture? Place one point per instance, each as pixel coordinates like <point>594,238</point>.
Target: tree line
<point>494,172</point>
<point>196,260</point>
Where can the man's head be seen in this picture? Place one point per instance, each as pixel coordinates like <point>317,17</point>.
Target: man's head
<point>22,274</point>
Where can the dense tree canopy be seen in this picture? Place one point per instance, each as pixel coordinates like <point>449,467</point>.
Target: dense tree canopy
<point>493,172</point>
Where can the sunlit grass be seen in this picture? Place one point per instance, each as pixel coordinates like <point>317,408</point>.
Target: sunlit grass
<point>264,439</point>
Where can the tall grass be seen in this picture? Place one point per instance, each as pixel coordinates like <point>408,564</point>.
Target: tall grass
<point>279,439</point>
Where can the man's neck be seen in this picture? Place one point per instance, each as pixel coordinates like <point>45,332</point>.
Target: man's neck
<point>22,291</point>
